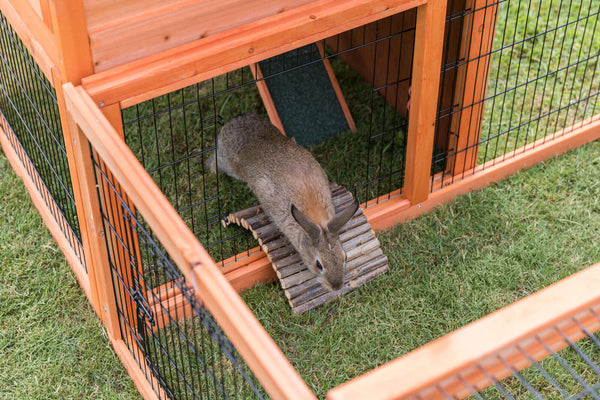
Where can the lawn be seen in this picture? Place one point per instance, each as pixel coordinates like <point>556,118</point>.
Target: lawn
<point>52,345</point>
<point>447,268</point>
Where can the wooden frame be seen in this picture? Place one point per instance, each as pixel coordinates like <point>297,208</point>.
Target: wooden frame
<point>146,78</point>
<point>260,352</point>
<point>54,33</point>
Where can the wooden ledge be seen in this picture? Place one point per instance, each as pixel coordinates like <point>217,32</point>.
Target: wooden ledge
<point>205,58</point>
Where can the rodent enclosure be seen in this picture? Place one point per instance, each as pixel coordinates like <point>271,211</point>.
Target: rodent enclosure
<point>475,116</point>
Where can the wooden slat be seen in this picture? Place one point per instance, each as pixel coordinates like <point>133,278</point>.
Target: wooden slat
<point>74,174</point>
<point>205,58</point>
<point>139,28</point>
<point>97,257</point>
<point>481,28</point>
<point>257,348</point>
<point>478,342</point>
<point>266,97</point>
<point>73,47</point>
<point>425,88</point>
<point>35,35</point>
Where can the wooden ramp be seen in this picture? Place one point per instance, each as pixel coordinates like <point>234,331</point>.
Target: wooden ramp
<point>365,259</point>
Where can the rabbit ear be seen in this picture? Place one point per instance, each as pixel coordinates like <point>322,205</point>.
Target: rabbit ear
<point>307,224</point>
<point>339,220</point>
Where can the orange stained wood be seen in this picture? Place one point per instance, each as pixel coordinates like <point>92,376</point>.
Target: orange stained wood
<point>480,28</point>
<point>68,20</point>
<point>228,50</point>
<point>97,257</point>
<point>481,341</point>
<point>257,348</point>
<point>425,89</point>
<point>74,174</point>
<point>266,97</point>
<point>34,33</point>
<point>124,31</point>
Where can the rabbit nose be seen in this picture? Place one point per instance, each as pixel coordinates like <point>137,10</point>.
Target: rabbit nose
<point>337,285</point>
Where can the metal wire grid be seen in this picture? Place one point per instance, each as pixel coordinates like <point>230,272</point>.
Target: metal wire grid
<point>176,342</point>
<point>174,135</point>
<point>543,77</point>
<point>518,373</point>
<point>28,103</point>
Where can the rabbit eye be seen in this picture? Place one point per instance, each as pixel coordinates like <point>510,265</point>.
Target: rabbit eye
<point>319,266</point>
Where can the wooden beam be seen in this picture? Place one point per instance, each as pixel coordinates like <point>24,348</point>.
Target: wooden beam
<point>480,30</point>
<point>427,59</point>
<point>70,31</point>
<point>74,174</point>
<point>97,257</point>
<point>482,341</point>
<point>253,343</point>
<point>205,58</point>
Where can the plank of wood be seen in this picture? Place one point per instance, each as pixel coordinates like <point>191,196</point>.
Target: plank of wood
<point>205,58</point>
<point>480,30</point>
<point>429,40</point>
<point>365,259</point>
<point>73,46</point>
<point>120,33</point>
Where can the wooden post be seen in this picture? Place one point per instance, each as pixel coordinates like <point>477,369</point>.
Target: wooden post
<point>95,245</point>
<point>479,31</point>
<point>429,37</point>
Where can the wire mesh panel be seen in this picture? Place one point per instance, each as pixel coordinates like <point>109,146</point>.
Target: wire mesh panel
<point>176,342</point>
<point>28,104</point>
<point>525,70</point>
<point>561,362</point>
<point>174,135</point>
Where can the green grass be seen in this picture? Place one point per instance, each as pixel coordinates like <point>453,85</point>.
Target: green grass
<point>546,72</point>
<point>52,345</point>
<point>447,268</point>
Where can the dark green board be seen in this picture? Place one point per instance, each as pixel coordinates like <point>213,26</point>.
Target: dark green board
<point>304,96</point>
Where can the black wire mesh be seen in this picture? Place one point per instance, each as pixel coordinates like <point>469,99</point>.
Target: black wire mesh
<point>28,104</point>
<point>542,78</point>
<point>562,362</point>
<point>178,345</point>
<point>174,135</point>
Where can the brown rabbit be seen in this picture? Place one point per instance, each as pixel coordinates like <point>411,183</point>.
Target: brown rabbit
<point>292,189</point>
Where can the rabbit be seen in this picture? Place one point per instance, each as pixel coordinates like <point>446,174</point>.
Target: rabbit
<point>292,189</point>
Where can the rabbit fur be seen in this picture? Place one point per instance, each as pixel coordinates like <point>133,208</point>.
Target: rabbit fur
<point>292,189</point>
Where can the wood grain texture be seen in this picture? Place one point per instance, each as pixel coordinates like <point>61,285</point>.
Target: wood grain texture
<point>214,55</point>
<point>123,31</point>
